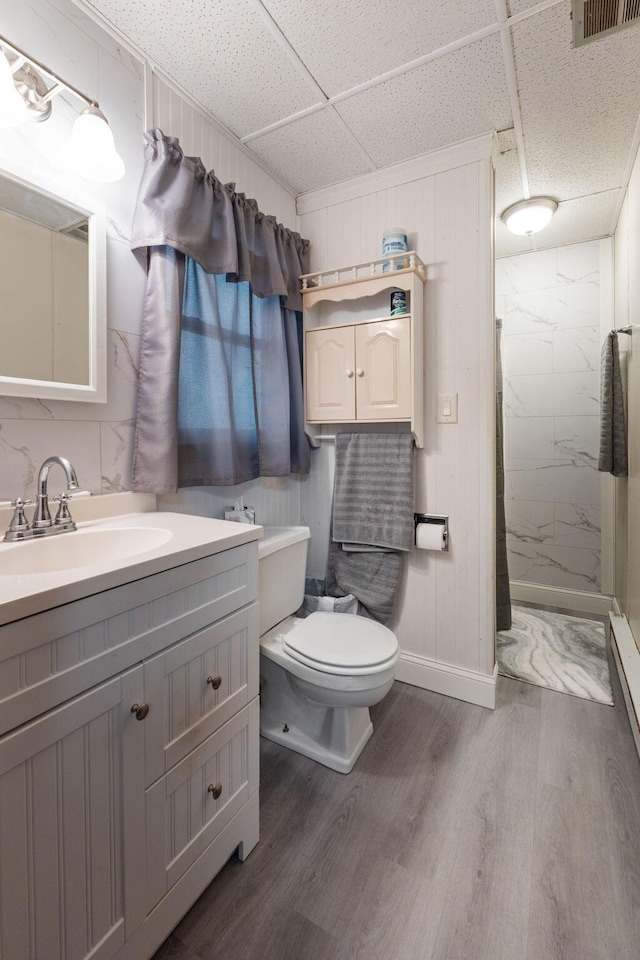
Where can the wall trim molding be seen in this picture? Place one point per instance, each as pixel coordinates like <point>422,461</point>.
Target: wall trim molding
<point>451,681</point>
<point>627,659</point>
<point>417,168</point>
<point>547,596</point>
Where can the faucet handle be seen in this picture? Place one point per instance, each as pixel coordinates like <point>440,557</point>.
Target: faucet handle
<point>63,515</point>
<point>19,521</point>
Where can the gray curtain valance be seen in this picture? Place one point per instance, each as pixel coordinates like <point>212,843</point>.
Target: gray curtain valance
<point>183,206</point>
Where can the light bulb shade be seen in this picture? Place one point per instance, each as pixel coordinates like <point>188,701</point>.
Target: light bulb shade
<point>90,152</point>
<point>13,109</point>
<point>529,216</point>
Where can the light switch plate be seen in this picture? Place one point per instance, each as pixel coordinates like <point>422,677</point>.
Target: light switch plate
<point>447,408</point>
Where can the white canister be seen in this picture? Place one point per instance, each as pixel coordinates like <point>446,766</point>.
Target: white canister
<point>394,240</point>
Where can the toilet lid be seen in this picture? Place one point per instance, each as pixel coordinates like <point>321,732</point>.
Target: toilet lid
<point>340,641</point>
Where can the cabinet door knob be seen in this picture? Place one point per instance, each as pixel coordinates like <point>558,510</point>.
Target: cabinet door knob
<point>359,372</point>
<point>216,791</point>
<point>140,710</point>
<point>214,681</point>
<point>349,373</point>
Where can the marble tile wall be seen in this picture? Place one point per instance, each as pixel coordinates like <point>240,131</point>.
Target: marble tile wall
<point>549,303</point>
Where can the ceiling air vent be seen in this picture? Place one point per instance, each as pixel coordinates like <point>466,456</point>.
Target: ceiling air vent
<point>596,18</point>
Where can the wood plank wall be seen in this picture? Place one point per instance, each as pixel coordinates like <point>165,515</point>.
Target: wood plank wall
<point>446,607</point>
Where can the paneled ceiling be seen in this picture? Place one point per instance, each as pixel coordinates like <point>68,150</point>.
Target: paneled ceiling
<point>325,90</point>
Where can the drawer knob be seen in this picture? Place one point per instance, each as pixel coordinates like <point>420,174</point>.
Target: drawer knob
<point>140,710</point>
<point>349,373</point>
<point>214,681</point>
<point>359,372</point>
<point>216,791</point>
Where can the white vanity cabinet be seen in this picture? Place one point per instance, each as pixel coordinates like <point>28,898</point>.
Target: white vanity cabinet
<point>128,758</point>
<point>62,829</point>
<point>369,368</point>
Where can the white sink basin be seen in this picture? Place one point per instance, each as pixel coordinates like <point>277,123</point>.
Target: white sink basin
<point>81,548</point>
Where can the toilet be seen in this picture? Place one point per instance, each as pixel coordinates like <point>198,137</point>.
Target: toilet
<point>318,675</point>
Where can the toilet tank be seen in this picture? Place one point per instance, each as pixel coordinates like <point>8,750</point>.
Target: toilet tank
<point>282,567</point>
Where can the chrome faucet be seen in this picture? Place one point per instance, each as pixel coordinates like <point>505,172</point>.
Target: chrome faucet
<point>42,525</point>
<point>42,517</point>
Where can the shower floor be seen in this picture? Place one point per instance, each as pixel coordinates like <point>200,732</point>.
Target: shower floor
<point>554,650</point>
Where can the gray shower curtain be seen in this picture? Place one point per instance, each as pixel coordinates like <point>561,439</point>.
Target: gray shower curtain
<point>194,229</point>
<point>503,592</point>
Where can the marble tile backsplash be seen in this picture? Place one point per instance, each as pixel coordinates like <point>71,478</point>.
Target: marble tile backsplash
<point>550,306</point>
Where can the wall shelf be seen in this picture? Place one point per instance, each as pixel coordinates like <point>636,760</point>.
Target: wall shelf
<point>369,369</point>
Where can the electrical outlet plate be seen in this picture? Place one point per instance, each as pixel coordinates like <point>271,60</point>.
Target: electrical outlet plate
<point>447,408</point>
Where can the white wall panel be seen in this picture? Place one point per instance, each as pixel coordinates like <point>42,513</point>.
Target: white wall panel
<point>446,601</point>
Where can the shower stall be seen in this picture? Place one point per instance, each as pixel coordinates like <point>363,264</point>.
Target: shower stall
<point>555,307</point>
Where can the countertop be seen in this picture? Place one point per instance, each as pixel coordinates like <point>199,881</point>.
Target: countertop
<point>192,538</point>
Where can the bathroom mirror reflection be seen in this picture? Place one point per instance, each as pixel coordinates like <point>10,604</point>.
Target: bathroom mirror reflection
<point>52,317</point>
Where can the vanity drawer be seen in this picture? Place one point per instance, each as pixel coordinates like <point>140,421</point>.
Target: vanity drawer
<point>197,685</point>
<point>187,808</point>
<point>53,656</point>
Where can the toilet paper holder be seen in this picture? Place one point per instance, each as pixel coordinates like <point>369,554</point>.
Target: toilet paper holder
<point>435,518</point>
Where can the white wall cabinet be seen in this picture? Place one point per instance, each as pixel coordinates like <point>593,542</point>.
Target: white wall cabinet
<point>371,369</point>
<point>113,820</point>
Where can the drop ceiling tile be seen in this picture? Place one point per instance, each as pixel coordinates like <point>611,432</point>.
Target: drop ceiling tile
<point>220,52</point>
<point>583,219</point>
<point>345,44</point>
<point>579,106</point>
<point>311,152</point>
<point>574,221</point>
<point>453,98</point>
<point>519,6</point>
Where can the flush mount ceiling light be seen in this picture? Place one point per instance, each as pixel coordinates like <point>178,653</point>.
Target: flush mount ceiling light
<point>25,95</point>
<point>529,216</point>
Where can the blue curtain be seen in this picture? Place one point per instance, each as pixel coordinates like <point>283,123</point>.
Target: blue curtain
<point>240,410</point>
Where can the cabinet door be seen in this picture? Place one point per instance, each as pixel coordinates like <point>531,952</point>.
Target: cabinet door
<point>61,823</point>
<point>187,808</point>
<point>197,685</point>
<point>330,393</point>
<point>383,370</point>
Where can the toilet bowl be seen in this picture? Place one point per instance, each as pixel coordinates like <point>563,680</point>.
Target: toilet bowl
<point>319,675</point>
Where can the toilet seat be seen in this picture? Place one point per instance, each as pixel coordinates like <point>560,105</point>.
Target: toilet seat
<point>341,644</point>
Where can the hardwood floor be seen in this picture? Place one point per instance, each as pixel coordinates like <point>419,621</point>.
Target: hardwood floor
<point>461,834</point>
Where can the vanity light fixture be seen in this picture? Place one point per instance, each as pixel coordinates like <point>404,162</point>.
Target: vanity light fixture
<point>529,216</point>
<point>25,95</point>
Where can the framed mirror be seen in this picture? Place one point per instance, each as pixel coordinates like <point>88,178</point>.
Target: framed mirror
<point>52,290</point>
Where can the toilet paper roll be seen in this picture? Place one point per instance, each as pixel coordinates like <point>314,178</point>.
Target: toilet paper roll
<point>429,536</point>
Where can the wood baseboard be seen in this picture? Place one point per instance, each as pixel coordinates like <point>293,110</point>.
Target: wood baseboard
<point>546,596</point>
<point>451,681</point>
<point>627,658</point>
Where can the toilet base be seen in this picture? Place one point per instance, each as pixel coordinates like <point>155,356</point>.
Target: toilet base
<point>333,736</point>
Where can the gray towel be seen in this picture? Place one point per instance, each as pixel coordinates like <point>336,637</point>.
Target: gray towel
<point>371,577</point>
<point>372,518</point>
<point>373,491</point>
<point>613,432</point>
